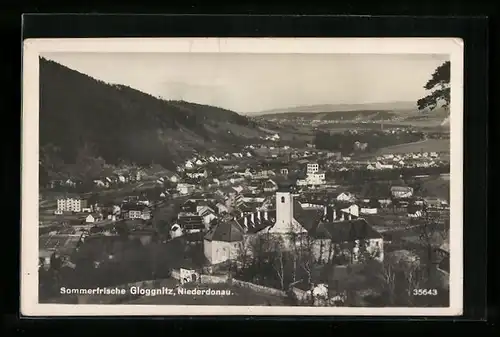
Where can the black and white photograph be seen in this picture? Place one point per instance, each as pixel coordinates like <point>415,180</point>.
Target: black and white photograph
<point>210,176</point>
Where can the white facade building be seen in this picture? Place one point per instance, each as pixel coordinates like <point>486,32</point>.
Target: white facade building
<point>314,176</point>
<point>71,204</point>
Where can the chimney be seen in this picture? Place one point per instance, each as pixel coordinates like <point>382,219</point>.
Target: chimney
<point>266,216</point>
<point>252,217</point>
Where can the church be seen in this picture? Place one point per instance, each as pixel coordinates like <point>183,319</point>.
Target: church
<point>291,223</point>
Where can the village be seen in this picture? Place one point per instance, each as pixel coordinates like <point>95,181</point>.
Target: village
<point>319,226</point>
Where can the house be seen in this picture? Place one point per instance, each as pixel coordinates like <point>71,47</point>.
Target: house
<point>235,179</point>
<point>381,166</point>
<point>350,212</point>
<point>312,168</point>
<point>189,164</point>
<point>185,189</point>
<point>91,218</point>
<point>434,203</point>
<point>132,211</point>
<point>270,186</point>
<point>223,242</point>
<point>89,208</point>
<point>284,171</point>
<point>138,175</point>
<point>143,201</point>
<point>101,183</point>
<point>70,182</point>
<point>197,174</point>
<point>71,204</point>
<point>190,223</point>
<point>221,208</point>
<point>344,239</point>
<point>346,197</point>
<point>399,192</point>
<point>200,162</point>
<point>175,231</point>
<point>207,214</point>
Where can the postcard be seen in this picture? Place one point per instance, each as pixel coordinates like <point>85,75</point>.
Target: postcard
<point>242,176</point>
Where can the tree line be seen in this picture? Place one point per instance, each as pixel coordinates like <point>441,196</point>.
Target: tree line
<point>344,142</point>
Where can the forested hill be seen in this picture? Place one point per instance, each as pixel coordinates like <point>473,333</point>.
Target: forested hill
<point>121,124</point>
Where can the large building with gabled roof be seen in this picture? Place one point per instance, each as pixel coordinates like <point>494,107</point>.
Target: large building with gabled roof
<point>222,242</point>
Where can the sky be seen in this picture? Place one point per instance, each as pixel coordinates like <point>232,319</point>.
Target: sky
<point>251,83</point>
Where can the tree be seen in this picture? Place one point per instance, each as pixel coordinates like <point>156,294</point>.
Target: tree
<point>278,260</point>
<point>439,87</point>
<point>307,257</point>
<point>432,231</point>
<point>244,255</point>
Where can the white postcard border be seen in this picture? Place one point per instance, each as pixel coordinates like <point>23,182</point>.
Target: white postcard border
<point>32,49</point>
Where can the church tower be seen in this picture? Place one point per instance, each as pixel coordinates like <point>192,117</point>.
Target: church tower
<point>284,209</point>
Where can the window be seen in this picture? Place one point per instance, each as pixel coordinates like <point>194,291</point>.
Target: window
<point>282,200</point>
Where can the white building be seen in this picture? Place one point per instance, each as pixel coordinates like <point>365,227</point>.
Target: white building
<point>223,242</point>
<point>312,168</point>
<point>175,231</point>
<point>71,204</point>
<point>346,197</point>
<point>185,189</point>
<point>314,176</point>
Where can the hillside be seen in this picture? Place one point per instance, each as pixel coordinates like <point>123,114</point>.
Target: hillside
<point>119,124</point>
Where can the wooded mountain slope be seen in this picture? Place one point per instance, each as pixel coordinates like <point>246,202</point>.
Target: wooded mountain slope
<point>121,124</point>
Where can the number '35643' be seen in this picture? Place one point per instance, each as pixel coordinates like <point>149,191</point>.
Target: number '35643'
<point>425,292</point>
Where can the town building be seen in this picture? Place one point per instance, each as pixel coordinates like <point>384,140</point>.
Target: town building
<point>401,192</point>
<point>223,242</point>
<point>71,204</point>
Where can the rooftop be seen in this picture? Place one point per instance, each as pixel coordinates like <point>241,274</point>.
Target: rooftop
<point>226,231</point>
<point>345,231</point>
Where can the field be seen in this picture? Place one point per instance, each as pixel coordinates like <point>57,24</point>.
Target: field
<point>428,145</point>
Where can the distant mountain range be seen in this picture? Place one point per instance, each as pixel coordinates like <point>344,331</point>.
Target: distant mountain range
<point>118,123</point>
<point>372,112</point>
<point>389,106</point>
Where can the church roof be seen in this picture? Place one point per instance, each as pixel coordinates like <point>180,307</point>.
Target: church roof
<point>226,231</point>
<point>307,218</point>
<point>345,231</point>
